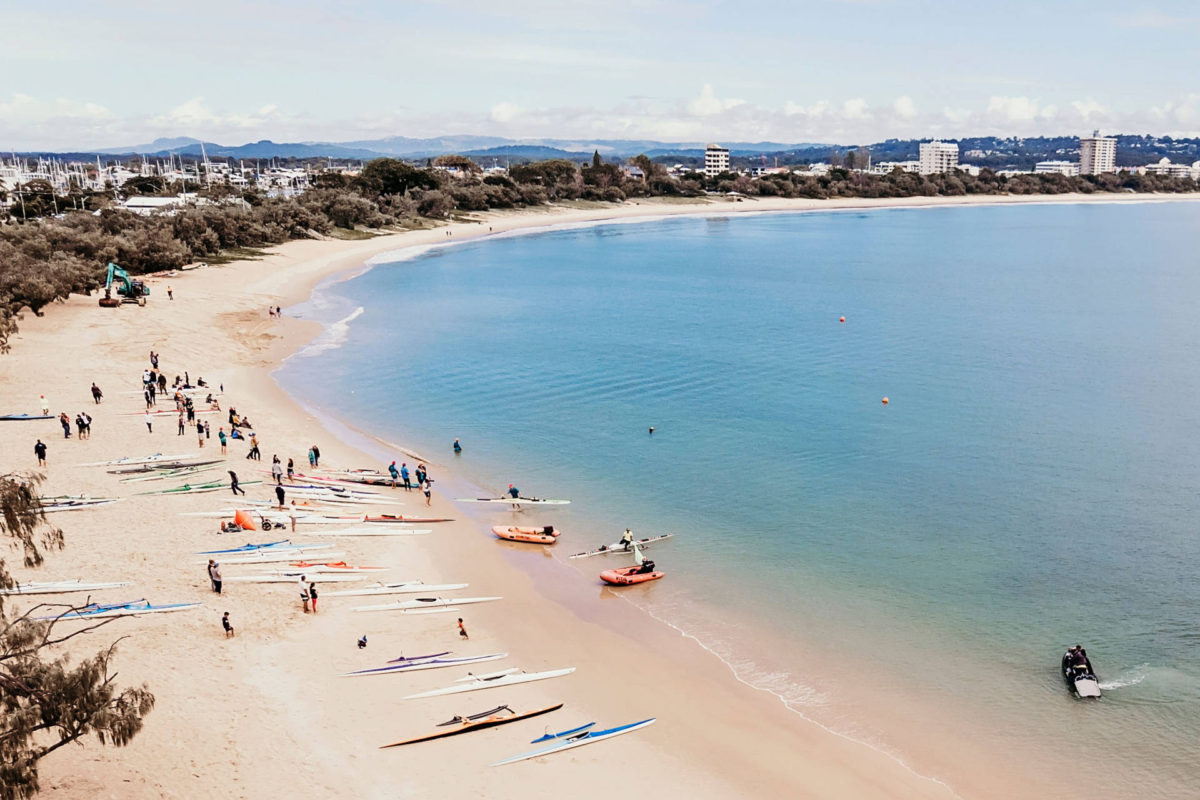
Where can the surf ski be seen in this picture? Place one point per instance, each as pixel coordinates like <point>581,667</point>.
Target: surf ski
<point>578,740</point>
<point>501,715</point>
<point>474,684</point>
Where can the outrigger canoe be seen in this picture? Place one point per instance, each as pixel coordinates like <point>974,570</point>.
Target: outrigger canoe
<point>474,683</point>
<point>512,533</point>
<point>433,662</point>
<point>62,587</point>
<point>610,549</point>
<point>427,602</point>
<point>514,501</point>
<point>578,740</point>
<point>126,609</point>
<point>475,722</point>
<point>398,587</point>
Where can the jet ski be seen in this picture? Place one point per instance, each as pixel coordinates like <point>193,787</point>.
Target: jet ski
<point>1081,678</point>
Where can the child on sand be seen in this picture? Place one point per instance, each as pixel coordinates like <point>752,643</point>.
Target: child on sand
<point>225,624</point>
<point>462,631</point>
<point>312,593</point>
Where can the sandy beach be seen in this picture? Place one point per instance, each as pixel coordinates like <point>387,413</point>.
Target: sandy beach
<point>265,712</point>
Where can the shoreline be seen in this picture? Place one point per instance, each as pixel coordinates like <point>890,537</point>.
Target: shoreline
<point>229,336</point>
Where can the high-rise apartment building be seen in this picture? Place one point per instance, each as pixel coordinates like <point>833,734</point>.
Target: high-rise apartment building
<point>716,160</point>
<point>937,157</point>
<point>1097,154</point>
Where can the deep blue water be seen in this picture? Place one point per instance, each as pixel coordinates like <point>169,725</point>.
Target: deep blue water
<point>1031,482</point>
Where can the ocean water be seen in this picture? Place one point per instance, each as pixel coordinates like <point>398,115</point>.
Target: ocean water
<point>1032,481</point>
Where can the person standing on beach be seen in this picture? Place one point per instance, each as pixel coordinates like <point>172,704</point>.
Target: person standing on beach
<point>312,459</point>
<point>149,401</point>
<point>279,493</point>
<point>190,407</point>
<point>312,595</point>
<point>207,430</point>
<point>214,575</point>
<point>45,406</point>
<point>394,473</point>
<point>254,454</point>
<point>65,421</point>
<point>153,392</point>
<point>462,631</point>
<point>427,487</point>
<point>404,477</point>
<point>39,450</point>
<point>233,483</point>
<point>421,473</point>
<point>225,624</point>
<point>291,471</point>
<point>149,419</point>
<point>170,292</point>
<point>304,592</point>
<point>182,424</point>
<point>200,435</point>
<point>276,470</point>
<point>97,395</point>
<point>221,438</point>
<point>316,451</point>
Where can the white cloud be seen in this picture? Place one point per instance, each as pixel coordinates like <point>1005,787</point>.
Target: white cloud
<point>505,112</point>
<point>904,107</point>
<point>708,104</point>
<point>1013,109</point>
<point>855,109</point>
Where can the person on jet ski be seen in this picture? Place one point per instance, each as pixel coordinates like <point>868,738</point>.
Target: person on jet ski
<point>1079,658</point>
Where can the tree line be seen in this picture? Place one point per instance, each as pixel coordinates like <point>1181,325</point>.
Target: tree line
<point>58,245</point>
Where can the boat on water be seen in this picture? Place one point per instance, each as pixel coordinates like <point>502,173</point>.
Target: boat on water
<point>432,662</point>
<point>62,587</point>
<point>544,535</point>
<point>398,587</point>
<point>1078,673</point>
<point>427,602</point>
<point>501,715</point>
<point>585,737</point>
<point>619,547</point>
<point>514,501</point>
<point>627,576</point>
<point>474,683</point>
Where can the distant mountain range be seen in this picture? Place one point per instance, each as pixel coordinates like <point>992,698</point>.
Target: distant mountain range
<point>475,146</point>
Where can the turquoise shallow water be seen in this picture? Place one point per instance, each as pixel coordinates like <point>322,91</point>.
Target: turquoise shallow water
<point>1032,481</point>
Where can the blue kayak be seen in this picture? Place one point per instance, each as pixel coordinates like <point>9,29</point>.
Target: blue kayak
<point>549,737</point>
<point>20,417</point>
<point>578,740</point>
<point>246,548</point>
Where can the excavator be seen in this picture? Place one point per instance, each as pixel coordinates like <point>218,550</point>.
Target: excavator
<point>131,291</point>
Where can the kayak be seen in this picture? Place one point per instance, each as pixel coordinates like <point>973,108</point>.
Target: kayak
<point>334,566</point>
<point>390,518</point>
<point>487,719</point>
<point>280,554</point>
<point>23,417</point>
<point>514,501</point>
<point>77,505</point>
<point>61,587</point>
<point>133,608</point>
<point>165,467</point>
<point>371,532</point>
<point>578,740</point>
<point>409,587</point>
<point>429,663</point>
<point>627,576</point>
<point>543,535</point>
<point>609,549</point>
<point>473,683</point>
<point>200,488</point>
<point>549,737</point>
<point>255,547</point>
<point>294,577</point>
<point>166,475</point>
<point>427,602</point>
<point>131,460</point>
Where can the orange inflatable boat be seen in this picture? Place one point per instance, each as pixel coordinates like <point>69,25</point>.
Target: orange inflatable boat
<point>544,535</point>
<point>626,576</point>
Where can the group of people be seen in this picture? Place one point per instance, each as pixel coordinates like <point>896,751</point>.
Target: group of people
<point>1078,659</point>
<point>401,477</point>
<point>83,425</point>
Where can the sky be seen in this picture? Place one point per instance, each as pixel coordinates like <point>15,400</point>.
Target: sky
<point>108,73</point>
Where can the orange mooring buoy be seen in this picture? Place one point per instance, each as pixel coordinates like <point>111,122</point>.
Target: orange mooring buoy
<point>843,319</point>
<point>885,401</point>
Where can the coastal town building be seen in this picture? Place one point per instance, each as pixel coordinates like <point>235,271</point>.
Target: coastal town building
<point>1167,169</point>
<point>716,160</point>
<point>1068,168</point>
<point>935,157</point>
<point>1097,154</point>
